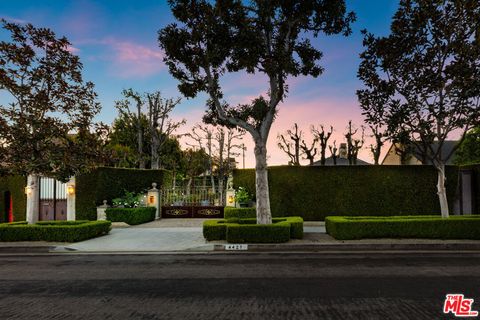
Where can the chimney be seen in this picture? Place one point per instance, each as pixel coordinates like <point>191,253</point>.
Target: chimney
<point>342,152</point>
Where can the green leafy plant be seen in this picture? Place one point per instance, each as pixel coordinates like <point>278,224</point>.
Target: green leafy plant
<point>242,195</point>
<point>129,200</point>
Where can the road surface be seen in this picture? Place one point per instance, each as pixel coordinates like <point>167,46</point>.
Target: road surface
<point>236,286</point>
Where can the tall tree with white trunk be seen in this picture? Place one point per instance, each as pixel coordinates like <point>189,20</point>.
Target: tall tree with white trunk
<point>270,37</point>
<point>427,73</point>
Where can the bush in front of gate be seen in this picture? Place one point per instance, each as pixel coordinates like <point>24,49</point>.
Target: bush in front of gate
<point>247,231</point>
<point>131,216</point>
<point>430,227</point>
<point>58,231</point>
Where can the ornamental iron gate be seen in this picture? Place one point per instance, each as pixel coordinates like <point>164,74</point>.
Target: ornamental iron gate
<point>195,202</point>
<point>53,200</point>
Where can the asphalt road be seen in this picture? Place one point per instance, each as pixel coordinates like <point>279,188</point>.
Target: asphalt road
<point>246,286</point>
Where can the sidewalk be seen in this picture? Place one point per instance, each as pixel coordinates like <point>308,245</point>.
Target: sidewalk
<point>184,236</point>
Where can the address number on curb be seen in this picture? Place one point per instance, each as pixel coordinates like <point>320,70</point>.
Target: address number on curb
<point>235,247</point>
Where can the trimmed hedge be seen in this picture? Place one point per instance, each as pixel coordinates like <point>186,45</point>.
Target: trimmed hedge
<point>258,233</point>
<point>476,184</point>
<point>16,185</point>
<point>431,227</point>
<point>131,216</point>
<point>58,231</point>
<point>252,232</point>
<point>317,192</point>
<point>110,183</point>
<point>241,213</point>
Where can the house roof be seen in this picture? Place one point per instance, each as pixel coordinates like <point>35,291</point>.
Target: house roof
<point>447,147</point>
<point>340,162</point>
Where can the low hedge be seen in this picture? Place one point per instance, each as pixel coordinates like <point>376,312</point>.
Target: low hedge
<point>241,213</point>
<point>258,233</point>
<point>131,216</point>
<point>430,227</point>
<point>58,231</point>
<point>252,232</point>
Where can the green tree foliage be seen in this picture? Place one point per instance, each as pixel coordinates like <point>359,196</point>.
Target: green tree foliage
<point>469,150</point>
<point>423,80</point>
<point>123,140</point>
<point>49,101</point>
<point>270,38</point>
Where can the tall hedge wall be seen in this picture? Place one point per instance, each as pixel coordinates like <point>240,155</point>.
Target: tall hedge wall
<point>16,185</point>
<point>476,184</point>
<point>109,183</point>
<point>317,192</point>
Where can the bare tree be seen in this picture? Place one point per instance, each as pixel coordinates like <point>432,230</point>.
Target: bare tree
<point>161,126</point>
<point>123,107</point>
<point>309,152</point>
<point>376,149</point>
<point>333,151</point>
<point>292,149</point>
<point>200,134</point>
<point>322,136</point>
<point>353,144</point>
<point>225,146</point>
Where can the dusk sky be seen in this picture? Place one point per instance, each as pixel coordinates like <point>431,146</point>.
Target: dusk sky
<point>117,44</point>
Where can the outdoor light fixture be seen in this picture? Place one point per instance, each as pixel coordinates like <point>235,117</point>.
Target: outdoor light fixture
<point>151,199</point>
<point>230,199</point>
<point>28,190</point>
<point>70,189</point>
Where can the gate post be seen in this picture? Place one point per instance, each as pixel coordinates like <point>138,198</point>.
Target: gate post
<point>33,198</point>
<point>153,199</point>
<point>71,190</point>
<point>230,192</point>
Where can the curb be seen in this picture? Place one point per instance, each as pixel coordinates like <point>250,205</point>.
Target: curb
<point>26,249</point>
<point>354,247</point>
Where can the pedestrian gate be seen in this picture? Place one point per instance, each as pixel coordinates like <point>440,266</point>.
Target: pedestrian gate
<point>53,200</point>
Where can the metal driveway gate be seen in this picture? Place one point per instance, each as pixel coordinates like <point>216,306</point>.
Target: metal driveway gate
<point>53,199</point>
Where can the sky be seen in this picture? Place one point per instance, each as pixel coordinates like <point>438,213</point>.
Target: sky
<point>116,41</point>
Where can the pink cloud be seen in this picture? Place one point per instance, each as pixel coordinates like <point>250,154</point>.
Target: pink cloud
<point>134,60</point>
<point>127,59</point>
<point>14,20</point>
<point>73,49</point>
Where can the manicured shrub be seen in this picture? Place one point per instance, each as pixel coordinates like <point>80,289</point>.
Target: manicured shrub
<point>215,229</point>
<point>258,233</point>
<point>219,229</point>
<point>110,183</point>
<point>317,192</point>
<point>432,227</point>
<point>57,231</point>
<point>240,213</point>
<point>132,216</point>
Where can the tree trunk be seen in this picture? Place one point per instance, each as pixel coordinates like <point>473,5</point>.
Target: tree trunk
<point>155,157</point>
<point>264,215</point>
<point>441,191</point>
<point>140,139</point>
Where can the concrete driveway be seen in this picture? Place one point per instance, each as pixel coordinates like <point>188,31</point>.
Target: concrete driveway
<point>163,235</point>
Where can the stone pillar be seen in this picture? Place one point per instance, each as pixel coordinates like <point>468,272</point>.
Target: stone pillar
<point>101,214</point>
<point>230,192</point>
<point>71,191</point>
<point>153,199</point>
<point>33,198</point>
